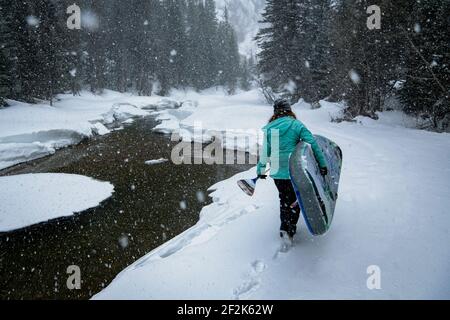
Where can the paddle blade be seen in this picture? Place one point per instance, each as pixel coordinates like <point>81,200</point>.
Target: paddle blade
<point>248,186</point>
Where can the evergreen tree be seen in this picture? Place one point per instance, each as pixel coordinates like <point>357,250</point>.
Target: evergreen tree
<point>176,43</point>
<point>53,71</point>
<point>228,59</point>
<point>277,42</point>
<point>296,50</point>
<point>7,49</point>
<point>209,40</point>
<point>125,46</point>
<point>96,38</point>
<point>426,90</point>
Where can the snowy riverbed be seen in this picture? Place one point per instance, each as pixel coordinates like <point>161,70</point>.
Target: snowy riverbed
<point>392,214</point>
<point>33,198</point>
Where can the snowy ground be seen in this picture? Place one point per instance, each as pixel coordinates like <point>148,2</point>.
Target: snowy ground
<point>29,132</point>
<point>204,114</point>
<point>32,198</point>
<point>392,213</point>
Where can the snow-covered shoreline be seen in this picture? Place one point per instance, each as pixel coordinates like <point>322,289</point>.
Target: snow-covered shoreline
<point>29,132</point>
<point>392,214</point>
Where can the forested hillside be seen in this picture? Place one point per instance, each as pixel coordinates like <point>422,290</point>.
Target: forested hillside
<point>140,46</point>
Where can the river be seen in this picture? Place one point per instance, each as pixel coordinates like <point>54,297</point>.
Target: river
<point>151,205</point>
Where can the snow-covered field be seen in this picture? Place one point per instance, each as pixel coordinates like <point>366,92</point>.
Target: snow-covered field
<point>28,132</point>
<point>33,198</point>
<point>392,214</point>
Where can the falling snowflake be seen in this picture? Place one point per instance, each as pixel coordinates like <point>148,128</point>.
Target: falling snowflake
<point>417,28</point>
<point>354,76</point>
<point>33,21</point>
<point>201,198</point>
<point>124,242</point>
<point>90,20</point>
<point>291,87</point>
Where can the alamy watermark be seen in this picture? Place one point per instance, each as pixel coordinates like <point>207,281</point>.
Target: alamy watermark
<point>229,147</point>
<point>74,280</point>
<point>74,20</point>
<point>374,20</point>
<point>374,279</point>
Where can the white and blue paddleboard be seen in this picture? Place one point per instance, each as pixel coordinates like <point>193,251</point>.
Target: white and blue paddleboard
<point>317,195</point>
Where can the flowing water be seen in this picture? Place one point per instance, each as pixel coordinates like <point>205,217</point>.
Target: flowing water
<point>151,205</point>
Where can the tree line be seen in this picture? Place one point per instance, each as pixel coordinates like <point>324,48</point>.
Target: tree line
<point>142,46</point>
<point>324,49</point>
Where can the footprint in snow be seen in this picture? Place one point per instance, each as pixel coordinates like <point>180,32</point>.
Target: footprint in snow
<point>249,209</point>
<point>284,248</point>
<point>252,283</point>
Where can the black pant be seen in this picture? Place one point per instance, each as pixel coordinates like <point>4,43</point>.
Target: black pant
<point>289,216</point>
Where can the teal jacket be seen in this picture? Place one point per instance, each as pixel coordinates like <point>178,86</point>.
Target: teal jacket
<point>281,138</point>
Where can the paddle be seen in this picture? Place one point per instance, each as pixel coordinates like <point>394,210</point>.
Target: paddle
<point>249,185</point>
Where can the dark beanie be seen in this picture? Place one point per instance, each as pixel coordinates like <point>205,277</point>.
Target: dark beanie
<point>281,106</point>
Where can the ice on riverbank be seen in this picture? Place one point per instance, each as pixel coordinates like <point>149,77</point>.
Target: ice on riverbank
<point>155,162</point>
<point>33,198</point>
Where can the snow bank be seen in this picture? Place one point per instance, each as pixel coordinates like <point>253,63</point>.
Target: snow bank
<point>28,132</point>
<point>242,115</point>
<point>392,213</point>
<point>33,198</point>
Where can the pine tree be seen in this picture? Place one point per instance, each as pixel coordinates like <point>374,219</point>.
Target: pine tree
<point>53,69</point>
<point>194,50</point>
<point>125,46</point>
<point>176,43</point>
<point>319,61</point>
<point>296,53</point>
<point>208,18</point>
<point>97,41</point>
<point>246,75</point>
<point>7,49</point>
<point>277,61</point>
<point>228,58</point>
<point>426,90</point>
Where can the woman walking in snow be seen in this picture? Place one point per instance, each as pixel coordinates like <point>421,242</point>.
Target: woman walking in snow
<point>281,137</point>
